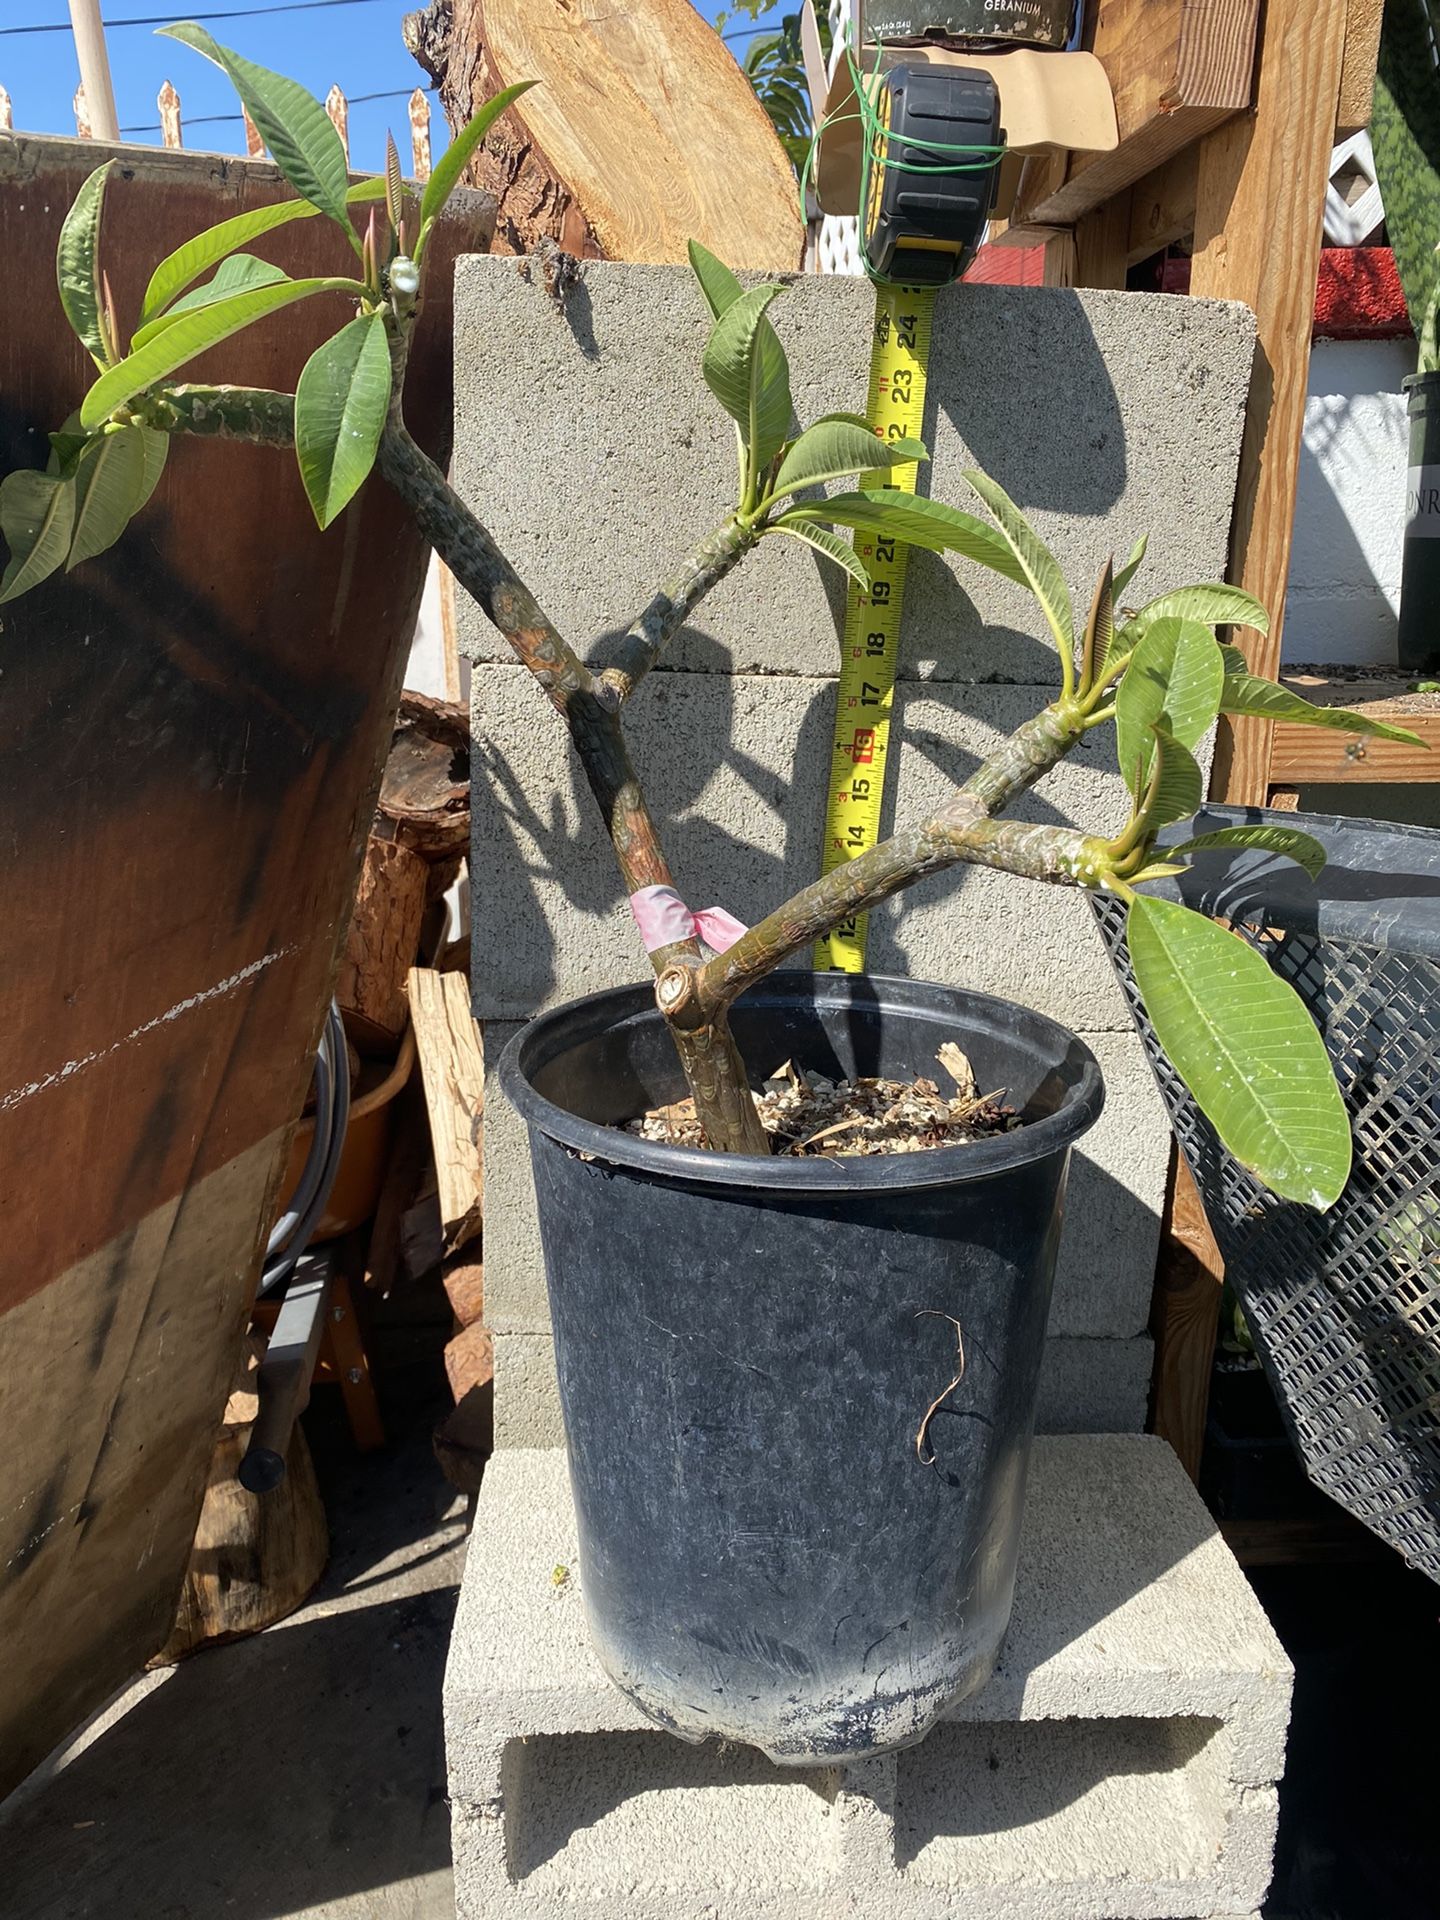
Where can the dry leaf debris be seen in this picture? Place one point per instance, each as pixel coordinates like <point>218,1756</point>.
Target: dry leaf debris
<point>809,1116</point>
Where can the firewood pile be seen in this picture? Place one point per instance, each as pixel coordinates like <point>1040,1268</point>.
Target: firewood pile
<point>404,988</point>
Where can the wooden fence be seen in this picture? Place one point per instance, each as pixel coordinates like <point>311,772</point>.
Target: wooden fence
<point>172,132</point>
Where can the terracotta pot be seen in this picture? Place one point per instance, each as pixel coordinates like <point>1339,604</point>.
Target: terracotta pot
<point>363,1159</point>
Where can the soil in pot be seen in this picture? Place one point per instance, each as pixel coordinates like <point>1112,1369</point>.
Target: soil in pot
<point>798,1391</point>
<point>806,1114</point>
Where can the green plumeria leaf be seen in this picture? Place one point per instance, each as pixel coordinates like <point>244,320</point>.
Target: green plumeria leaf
<point>1131,567</point>
<point>77,266</point>
<point>830,544</point>
<point>109,489</point>
<point>340,404</point>
<point>718,284</point>
<point>1303,848</point>
<point>456,157</point>
<point>1234,661</point>
<point>1162,870</point>
<point>292,123</point>
<point>1241,1039</point>
<point>751,387</point>
<point>193,334</point>
<point>1178,786</point>
<point>157,448</point>
<point>721,290</point>
<point>1174,675</point>
<point>65,446</point>
<point>1247,693</point>
<point>919,523</point>
<point>1100,629</point>
<point>37,512</point>
<point>179,269</point>
<point>1214,606</point>
<point>1041,568</point>
<point>834,446</point>
<point>235,274</point>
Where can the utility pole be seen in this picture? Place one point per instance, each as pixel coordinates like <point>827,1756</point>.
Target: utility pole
<point>94,68</point>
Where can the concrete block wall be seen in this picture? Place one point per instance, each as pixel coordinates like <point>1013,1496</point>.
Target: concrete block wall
<point>592,448</point>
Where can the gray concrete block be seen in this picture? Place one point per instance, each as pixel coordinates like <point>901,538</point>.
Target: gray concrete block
<point>1121,1763</point>
<point>527,1393</point>
<point>1104,415</point>
<point>737,769</point>
<point>1086,1386</point>
<point>1094,1386</point>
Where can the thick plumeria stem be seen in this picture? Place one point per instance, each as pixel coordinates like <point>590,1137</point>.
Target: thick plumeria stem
<point>224,413</point>
<point>702,568</point>
<point>713,1067</point>
<point>1026,756</point>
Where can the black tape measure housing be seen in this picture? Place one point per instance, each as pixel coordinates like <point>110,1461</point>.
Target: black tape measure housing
<point>922,221</point>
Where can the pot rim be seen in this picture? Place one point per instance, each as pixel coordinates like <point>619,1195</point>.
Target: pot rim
<point>617,1007</point>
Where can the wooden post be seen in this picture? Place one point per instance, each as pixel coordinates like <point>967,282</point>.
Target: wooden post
<point>82,113</point>
<point>6,118</point>
<point>420,134</point>
<point>1260,200</point>
<point>171,132</point>
<point>339,111</point>
<point>94,69</point>
<point>254,145</point>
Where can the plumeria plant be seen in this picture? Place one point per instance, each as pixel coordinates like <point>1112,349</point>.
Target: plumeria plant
<point>1158,674</point>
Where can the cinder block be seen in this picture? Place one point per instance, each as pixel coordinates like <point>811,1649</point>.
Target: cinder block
<point>1105,416</point>
<point>1120,1766</point>
<point>1086,1386</point>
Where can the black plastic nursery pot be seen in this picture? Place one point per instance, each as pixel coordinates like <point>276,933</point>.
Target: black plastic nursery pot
<point>776,1545</point>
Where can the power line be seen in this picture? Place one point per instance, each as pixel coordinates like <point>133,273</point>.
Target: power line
<point>174,19</point>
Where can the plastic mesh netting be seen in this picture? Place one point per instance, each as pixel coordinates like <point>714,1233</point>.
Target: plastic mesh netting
<point>1344,1307</point>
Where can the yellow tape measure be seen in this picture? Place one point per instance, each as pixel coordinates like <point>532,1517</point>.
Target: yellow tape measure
<point>895,408</point>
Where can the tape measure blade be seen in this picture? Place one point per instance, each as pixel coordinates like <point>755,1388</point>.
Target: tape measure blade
<point>870,645</point>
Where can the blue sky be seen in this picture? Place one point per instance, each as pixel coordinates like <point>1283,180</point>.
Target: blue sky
<point>356,45</point>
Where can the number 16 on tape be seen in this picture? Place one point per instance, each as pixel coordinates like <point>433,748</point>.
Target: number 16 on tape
<point>870,646</point>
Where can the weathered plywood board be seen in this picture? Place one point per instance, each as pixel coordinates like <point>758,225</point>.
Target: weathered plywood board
<point>191,735</point>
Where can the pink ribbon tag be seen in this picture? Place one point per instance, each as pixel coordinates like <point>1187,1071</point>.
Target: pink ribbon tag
<point>663,919</point>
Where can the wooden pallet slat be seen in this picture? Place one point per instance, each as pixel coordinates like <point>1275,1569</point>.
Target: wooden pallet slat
<point>1178,68</point>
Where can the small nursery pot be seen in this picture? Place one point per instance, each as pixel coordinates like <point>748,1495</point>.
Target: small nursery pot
<point>777,1545</point>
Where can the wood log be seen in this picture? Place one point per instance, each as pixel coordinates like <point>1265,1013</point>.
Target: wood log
<point>452,1064</point>
<point>383,940</point>
<point>643,133</point>
<point>256,1557</point>
<point>470,1361</point>
<point>425,794</point>
<point>465,1290</point>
